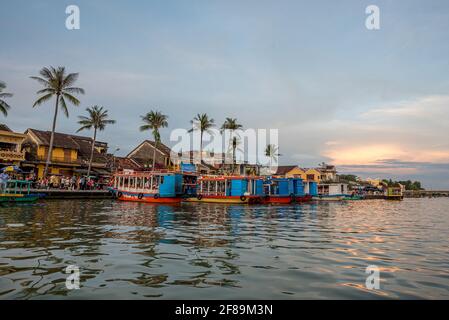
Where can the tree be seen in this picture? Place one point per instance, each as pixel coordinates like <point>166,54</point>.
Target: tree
<point>202,123</point>
<point>154,120</point>
<point>4,107</point>
<point>97,119</point>
<point>57,84</point>
<point>231,125</point>
<point>271,151</point>
<point>348,177</point>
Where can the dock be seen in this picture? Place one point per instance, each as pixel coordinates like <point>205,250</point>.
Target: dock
<point>425,193</point>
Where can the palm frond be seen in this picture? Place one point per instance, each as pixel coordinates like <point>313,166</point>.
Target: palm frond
<point>42,99</point>
<point>4,107</point>
<point>6,95</point>
<point>64,106</point>
<point>70,79</point>
<point>71,99</point>
<point>74,90</point>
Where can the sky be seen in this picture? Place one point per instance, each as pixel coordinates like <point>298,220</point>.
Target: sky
<point>373,102</point>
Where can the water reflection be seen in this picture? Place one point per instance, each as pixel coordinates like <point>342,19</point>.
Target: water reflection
<point>132,250</point>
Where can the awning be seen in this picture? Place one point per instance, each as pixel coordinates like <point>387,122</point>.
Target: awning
<point>80,171</point>
<point>101,172</point>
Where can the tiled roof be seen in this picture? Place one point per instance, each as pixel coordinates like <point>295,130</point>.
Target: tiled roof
<point>281,170</point>
<point>4,127</point>
<point>61,140</point>
<point>160,146</point>
<point>125,163</point>
<point>82,144</point>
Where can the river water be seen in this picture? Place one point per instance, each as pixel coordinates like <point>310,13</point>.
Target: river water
<point>209,251</point>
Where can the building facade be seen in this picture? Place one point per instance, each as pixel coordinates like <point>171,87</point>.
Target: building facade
<point>11,146</point>
<point>70,155</point>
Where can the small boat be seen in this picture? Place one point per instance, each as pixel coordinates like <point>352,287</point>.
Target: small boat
<point>18,191</point>
<point>394,193</point>
<point>228,189</point>
<point>150,187</point>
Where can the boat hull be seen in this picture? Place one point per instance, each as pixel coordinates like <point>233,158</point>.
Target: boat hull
<point>18,199</point>
<point>305,198</point>
<point>226,199</point>
<point>146,198</point>
<point>277,200</point>
<point>329,198</point>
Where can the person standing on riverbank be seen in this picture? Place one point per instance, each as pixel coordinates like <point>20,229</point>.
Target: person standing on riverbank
<point>3,181</point>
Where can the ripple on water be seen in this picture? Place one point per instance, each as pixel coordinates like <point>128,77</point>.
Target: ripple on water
<point>318,250</point>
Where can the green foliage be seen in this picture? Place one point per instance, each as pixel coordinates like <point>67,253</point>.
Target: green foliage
<point>409,185</point>
<point>4,107</point>
<point>348,177</point>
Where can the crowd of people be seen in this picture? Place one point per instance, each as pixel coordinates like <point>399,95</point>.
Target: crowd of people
<point>69,183</point>
<point>57,182</point>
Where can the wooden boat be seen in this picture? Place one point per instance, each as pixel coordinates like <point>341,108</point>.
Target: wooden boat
<point>150,187</point>
<point>284,191</point>
<point>18,191</point>
<point>394,193</point>
<point>228,189</point>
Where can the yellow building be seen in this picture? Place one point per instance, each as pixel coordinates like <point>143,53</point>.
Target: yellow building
<point>297,172</point>
<point>291,172</point>
<point>313,175</point>
<point>70,154</point>
<point>11,146</point>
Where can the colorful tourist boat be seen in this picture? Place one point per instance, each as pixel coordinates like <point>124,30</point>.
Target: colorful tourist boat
<point>18,191</point>
<point>150,187</point>
<point>284,191</point>
<point>228,189</point>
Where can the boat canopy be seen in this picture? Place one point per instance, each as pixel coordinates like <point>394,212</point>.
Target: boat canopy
<point>165,184</point>
<point>229,186</point>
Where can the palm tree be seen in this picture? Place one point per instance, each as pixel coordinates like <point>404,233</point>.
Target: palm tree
<point>235,143</point>
<point>202,123</point>
<point>154,120</point>
<point>97,119</point>
<point>231,125</point>
<point>4,107</point>
<point>59,84</point>
<point>271,151</point>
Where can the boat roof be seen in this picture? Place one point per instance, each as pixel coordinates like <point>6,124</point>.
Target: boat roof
<point>223,178</point>
<point>146,173</point>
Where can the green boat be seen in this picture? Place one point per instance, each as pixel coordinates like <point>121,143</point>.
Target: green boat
<point>354,197</point>
<point>17,191</point>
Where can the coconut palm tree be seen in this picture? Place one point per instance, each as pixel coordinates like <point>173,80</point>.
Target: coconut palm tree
<point>154,120</point>
<point>97,119</point>
<point>271,151</point>
<point>57,83</point>
<point>203,123</point>
<point>231,124</point>
<point>4,107</point>
<point>235,143</point>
